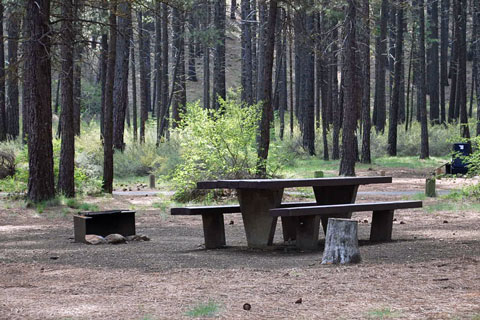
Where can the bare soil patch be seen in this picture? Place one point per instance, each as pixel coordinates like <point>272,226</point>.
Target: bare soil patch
<point>430,271</point>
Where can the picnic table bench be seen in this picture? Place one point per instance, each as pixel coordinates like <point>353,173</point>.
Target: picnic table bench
<point>307,218</point>
<point>213,221</point>
<point>257,197</point>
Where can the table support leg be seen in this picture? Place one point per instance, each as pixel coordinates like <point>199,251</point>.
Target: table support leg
<point>335,195</point>
<point>259,225</point>
<point>213,230</point>
<point>289,225</point>
<point>382,222</point>
<point>307,232</point>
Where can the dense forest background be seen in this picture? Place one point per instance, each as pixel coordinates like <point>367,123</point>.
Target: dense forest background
<point>328,77</point>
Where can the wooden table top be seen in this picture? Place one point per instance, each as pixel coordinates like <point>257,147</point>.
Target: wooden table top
<point>290,183</point>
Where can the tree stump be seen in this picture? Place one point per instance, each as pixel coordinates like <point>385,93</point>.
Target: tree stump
<point>430,188</point>
<point>152,181</point>
<point>341,242</point>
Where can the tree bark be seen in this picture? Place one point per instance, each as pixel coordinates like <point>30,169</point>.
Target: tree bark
<point>365,58</point>
<point>103,80</point>
<point>421,85</point>
<point>134,88</point>
<point>77,71</point>
<point>158,67</point>
<point>37,84</point>
<point>179,85</point>
<point>266,97</point>
<point>66,182</point>
<point>246,40</point>
<point>334,111</point>
<point>164,74</point>
<point>3,114</point>
<point>219,88</point>
<point>309,89</point>
<point>379,107</point>
<point>144,83</point>
<point>445,7</point>
<point>395,102</point>
<point>352,94</point>
<point>120,86</point>
<point>13,32</point>
<point>452,114</point>
<point>433,63</point>
<point>461,92</point>
<point>206,59</point>
<point>108,121</point>
<point>476,57</point>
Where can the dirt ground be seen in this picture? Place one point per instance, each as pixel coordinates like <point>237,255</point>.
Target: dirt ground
<point>431,270</point>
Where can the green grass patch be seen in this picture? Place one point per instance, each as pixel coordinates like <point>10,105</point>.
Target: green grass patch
<point>384,313</point>
<point>304,167</point>
<point>209,309</point>
<point>409,162</point>
<point>83,206</point>
<point>452,206</point>
<point>419,196</point>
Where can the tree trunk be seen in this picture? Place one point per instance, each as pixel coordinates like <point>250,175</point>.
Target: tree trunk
<point>37,84</point>
<point>179,89</point>
<point>206,59</point>
<point>158,67</point>
<point>120,86</point>
<point>445,7</point>
<point>246,40</point>
<point>134,88</point>
<point>379,107</point>
<point>433,63</point>
<point>219,88</point>
<point>323,77</point>
<point>3,114</point>
<point>77,71</point>
<point>66,183</point>
<point>421,91</point>
<point>334,112</point>
<point>461,92</point>
<point>108,121</point>
<point>266,97</point>
<point>452,115</point>
<point>144,83</point>
<point>476,57</point>
<point>13,32</point>
<point>352,94</point>
<point>103,80</point>
<point>309,77</point>
<point>192,70</point>
<point>164,74</point>
<point>395,102</point>
<point>365,58</point>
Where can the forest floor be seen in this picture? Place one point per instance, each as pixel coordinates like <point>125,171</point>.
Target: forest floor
<point>430,271</point>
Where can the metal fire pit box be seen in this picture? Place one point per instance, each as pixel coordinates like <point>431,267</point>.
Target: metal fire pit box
<point>103,223</point>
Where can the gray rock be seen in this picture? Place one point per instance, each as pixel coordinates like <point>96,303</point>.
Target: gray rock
<point>95,239</point>
<point>115,238</point>
<point>138,237</point>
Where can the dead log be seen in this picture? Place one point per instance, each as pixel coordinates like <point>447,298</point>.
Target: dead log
<point>341,242</point>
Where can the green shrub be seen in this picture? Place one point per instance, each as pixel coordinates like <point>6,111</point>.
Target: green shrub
<point>216,145</point>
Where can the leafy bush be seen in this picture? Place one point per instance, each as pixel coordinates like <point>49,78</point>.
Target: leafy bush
<point>408,142</point>
<point>216,145</point>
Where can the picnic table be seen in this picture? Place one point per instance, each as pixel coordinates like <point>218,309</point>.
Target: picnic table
<point>257,197</point>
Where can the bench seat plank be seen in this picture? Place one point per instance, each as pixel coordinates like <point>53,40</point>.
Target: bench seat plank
<point>200,210</point>
<point>342,208</point>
